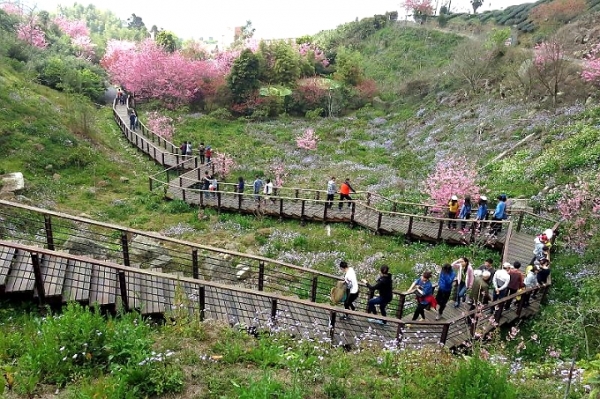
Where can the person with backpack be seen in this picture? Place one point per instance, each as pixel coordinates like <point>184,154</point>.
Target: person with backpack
<point>132,120</point>
<point>351,287</point>
<point>385,287</point>
<point>345,190</point>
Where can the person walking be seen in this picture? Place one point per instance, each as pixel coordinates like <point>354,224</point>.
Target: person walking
<point>465,275</point>
<point>351,287</point>
<point>423,290</point>
<point>257,188</point>
<point>499,215</point>
<point>482,212</point>
<point>465,212</point>
<point>444,288</point>
<point>515,282</point>
<point>208,154</point>
<point>480,291</point>
<point>240,186</point>
<point>345,190</point>
<point>132,120</point>
<point>452,212</point>
<point>500,281</point>
<point>201,150</point>
<point>331,190</point>
<point>385,287</point>
<point>488,265</point>
<point>268,191</point>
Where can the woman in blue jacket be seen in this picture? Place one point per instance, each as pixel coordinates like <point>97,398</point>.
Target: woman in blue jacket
<point>447,276</point>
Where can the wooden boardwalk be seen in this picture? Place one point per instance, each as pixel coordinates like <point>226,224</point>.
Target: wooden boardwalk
<point>57,277</point>
<point>271,299</point>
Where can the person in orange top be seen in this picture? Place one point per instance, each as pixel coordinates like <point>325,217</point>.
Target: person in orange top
<point>452,211</point>
<point>345,190</point>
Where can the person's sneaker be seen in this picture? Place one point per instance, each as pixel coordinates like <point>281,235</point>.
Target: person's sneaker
<point>456,304</point>
<point>376,321</point>
<point>437,317</point>
<point>344,317</point>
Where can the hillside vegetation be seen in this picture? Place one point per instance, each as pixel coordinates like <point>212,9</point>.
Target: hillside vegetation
<point>433,102</point>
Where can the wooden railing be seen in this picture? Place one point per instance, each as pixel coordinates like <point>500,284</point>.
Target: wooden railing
<point>298,316</point>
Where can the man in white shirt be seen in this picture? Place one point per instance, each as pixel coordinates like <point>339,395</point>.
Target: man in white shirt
<point>331,190</point>
<point>352,286</point>
<point>500,281</point>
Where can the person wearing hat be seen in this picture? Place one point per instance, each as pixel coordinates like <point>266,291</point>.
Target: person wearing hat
<point>452,212</point>
<point>542,245</point>
<point>500,281</point>
<point>482,212</point>
<point>480,291</point>
<point>530,282</point>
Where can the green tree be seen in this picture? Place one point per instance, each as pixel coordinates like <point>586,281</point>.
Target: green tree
<point>168,40</point>
<point>135,22</point>
<point>246,32</point>
<point>286,68</point>
<point>243,78</point>
<point>348,66</point>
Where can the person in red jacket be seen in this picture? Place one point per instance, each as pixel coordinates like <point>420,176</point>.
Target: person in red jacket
<point>345,190</point>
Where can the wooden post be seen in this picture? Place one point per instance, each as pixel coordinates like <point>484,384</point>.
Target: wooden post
<point>202,199</point>
<point>353,213</point>
<point>440,228</point>
<point>379,223</point>
<point>394,207</point>
<point>297,193</point>
<point>202,301</point>
<point>410,225</point>
<point>261,275</point>
<point>166,172</point>
<point>444,336</point>
<point>520,222</point>
<point>39,281</point>
<point>520,306</point>
<point>280,207</point>
<point>123,289</point>
<point>400,310</point>
<point>150,180</point>
<point>325,212</point>
<point>162,162</point>
<point>218,200</point>
<point>125,248</point>
<point>195,268</point>
<point>332,317</point>
<point>399,332</point>
<point>273,309</point>
<point>318,195</point>
<point>302,211</point>
<point>49,235</point>
<point>369,198</point>
<point>183,194</point>
<point>314,288</point>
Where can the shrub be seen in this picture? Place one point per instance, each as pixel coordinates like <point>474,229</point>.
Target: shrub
<point>477,378</point>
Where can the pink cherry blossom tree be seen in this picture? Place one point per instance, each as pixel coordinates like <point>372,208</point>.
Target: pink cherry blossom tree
<point>453,176</point>
<point>591,66</point>
<point>579,208</point>
<point>224,164</point>
<point>32,34</point>
<point>421,9</point>
<point>551,65</point>
<point>79,33</point>
<point>279,173</point>
<point>161,125</point>
<point>308,140</point>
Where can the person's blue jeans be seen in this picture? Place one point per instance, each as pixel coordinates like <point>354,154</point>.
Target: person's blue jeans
<point>377,301</point>
<point>461,292</point>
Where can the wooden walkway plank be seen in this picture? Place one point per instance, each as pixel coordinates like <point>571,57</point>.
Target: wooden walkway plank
<point>7,256</point>
<point>54,271</point>
<point>20,277</point>
<point>152,301</point>
<point>103,286</point>
<point>77,282</point>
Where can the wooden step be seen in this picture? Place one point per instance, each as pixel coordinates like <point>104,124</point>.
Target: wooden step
<point>7,256</point>
<point>103,287</point>
<point>77,282</point>
<point>20,278</point>
<point>151,288</point>
<point>54,270</point>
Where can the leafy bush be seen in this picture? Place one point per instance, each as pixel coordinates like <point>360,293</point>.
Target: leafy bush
<point>477,378</point>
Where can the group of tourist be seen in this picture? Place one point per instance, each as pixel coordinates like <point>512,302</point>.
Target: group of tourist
<point>463,212</point>
<point>204,152</point>
<point>457,280</point>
